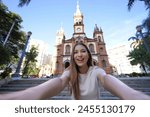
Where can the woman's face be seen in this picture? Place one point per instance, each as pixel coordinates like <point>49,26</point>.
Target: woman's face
<point>81,56</point>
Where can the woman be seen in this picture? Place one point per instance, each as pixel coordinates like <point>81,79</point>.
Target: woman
<point>84,80</point>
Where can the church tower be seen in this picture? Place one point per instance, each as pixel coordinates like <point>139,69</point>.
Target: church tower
<point>98,34</point>
<point>96,45</point>
<point>57,58</point>
<point>78,23</point>
<point>60,36</point>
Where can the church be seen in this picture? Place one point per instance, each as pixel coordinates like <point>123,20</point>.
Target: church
<point>64,46</point>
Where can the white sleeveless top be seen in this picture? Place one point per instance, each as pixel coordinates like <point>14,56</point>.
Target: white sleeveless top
<point>89,84</point>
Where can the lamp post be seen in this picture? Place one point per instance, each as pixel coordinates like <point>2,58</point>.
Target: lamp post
<point>139,32</point>
<point>17,75</point>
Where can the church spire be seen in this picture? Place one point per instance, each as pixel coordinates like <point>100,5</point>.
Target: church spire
<point>60,35</point>
<point>78,22</point>
<point>78,12</point>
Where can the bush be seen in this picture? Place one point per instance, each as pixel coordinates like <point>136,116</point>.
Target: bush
<point>134,74</point>
<point>6,72</point>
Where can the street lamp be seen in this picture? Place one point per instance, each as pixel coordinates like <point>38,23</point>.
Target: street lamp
<point>139,33</point>
<point>17,75</point>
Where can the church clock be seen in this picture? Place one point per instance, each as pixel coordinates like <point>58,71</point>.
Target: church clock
<point>78,30</point>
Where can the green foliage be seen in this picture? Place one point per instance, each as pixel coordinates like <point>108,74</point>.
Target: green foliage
<point>10,51</point>
<point>134,74</point>
<point>31,70</point>
<point>16,40</point>
<point>140,56</point>
<point>5,55</point>
<point>6,73</point>
<point>23,2</point>
<point>146,22</point>
<point>30,62</point>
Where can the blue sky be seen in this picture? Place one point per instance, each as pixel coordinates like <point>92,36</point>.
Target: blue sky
<point>44,18</point>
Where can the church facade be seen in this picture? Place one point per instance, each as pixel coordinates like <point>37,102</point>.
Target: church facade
<point>64,46</point>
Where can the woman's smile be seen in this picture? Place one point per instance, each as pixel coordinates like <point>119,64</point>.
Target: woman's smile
<point>80,59</point>
<point>81,56</point>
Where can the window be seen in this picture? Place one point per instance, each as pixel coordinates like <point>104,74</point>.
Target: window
<point>95,62</point>
<point>99,38</point>
<point>67,64</point>
<point>57,65</point>
<point>76,41</point>
<point>103,63</point>
<point>101,49</point>
<point>91,48</point>
<point>67,50</point>
<point>79,40</point>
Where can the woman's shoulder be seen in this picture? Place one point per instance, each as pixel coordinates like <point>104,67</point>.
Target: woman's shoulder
<point>96,67</point>
<point>98,70</point>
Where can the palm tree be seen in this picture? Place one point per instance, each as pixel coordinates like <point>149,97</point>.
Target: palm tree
<point>146,2</point>
<point>23,2</point>
<point>139,56</point>
<point>138,39</point>
<point>135,43</point>
<point>146,22</point>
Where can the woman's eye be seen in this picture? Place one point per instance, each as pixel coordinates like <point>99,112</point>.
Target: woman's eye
<point>83,51</point>
<point>75,52</point>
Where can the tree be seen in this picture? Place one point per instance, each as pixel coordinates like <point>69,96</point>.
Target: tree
<point>146,22</point>
<point>146,2</point>
<point>17,37</point>
<point>139,56</point>
<point>136,42</point>
<point>29,60</point>
<point>16,40</point>
<point>32,70</point>
<point>23,2</point>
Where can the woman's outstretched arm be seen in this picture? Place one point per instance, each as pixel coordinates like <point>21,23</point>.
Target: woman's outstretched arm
<point>47,89</point>
<point>120,89</point>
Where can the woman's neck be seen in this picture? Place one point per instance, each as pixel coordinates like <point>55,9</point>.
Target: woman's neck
<point>83,70</point>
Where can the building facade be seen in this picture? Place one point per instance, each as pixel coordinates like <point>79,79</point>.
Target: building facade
<point>118,58</point>
<point>64,46</point>
<point>44,59</point>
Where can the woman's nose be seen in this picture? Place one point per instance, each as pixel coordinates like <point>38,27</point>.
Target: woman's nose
<point>79,54</point>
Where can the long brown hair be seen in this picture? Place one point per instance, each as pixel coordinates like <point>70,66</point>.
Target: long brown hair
<point>74,70</point>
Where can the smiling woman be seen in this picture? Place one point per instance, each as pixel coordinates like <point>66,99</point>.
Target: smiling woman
<point>82,76</point>
<point>84,80</point>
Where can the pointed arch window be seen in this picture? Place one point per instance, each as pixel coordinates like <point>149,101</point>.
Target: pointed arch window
<point>101,49</point>
<point>103,63</point>
<point>57,65</point>
<point>91,48</point>
<point>67,64</point>
<point>95,62</point>
<point>99,38</point>
<point>67,49</point>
